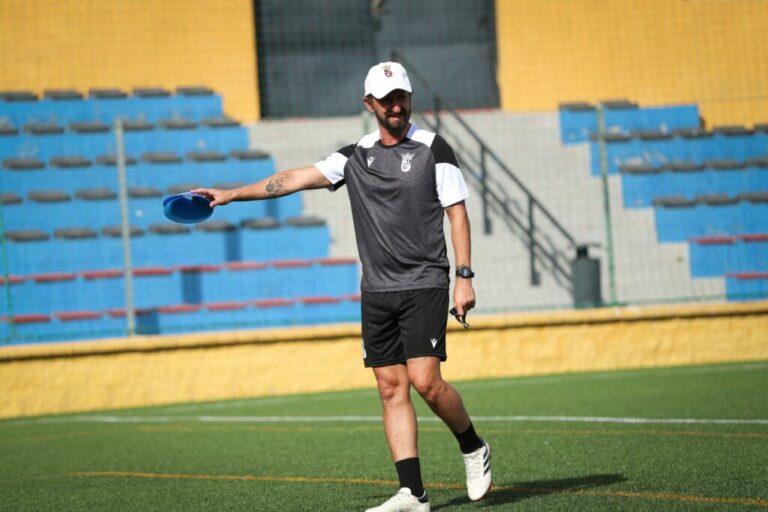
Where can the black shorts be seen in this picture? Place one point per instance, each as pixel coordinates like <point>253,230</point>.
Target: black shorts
<point>400,325</point>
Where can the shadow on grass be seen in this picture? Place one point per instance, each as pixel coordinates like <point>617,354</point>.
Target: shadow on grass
<point>506,494</point>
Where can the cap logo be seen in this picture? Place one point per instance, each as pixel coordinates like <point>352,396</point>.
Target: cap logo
<point>387,71</point>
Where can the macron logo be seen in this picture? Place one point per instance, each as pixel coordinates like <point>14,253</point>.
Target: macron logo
<point>370,160</point>
<point>434,342</point>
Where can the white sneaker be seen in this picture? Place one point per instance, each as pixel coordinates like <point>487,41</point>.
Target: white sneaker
<point>478,464</point>
<point>403,501</point>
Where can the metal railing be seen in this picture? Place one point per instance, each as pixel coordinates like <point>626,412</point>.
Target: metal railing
<point>547,246</point>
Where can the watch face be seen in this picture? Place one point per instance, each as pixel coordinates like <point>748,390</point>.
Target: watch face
<point>464,272</point>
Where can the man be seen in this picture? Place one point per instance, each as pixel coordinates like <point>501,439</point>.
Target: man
<point>401,181</point>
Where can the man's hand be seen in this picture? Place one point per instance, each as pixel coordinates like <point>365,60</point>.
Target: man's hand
<point>463,296</point>
<point>216,196</point>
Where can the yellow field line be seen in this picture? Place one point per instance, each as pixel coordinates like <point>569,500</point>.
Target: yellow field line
<point>663,496</point>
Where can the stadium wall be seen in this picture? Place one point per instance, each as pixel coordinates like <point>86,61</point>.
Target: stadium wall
<point>82,44</point>
<point>656,52</point>
<point>62,378</point>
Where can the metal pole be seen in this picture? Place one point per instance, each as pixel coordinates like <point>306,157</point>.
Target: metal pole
<point>535,281</point>
<point>484,176</point>
<point>125,228</point>
<point>436,107</point>
<point>7,278</point>
<point>606,202</point>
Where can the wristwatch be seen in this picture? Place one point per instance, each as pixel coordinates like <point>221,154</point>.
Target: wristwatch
<point>464,272</point>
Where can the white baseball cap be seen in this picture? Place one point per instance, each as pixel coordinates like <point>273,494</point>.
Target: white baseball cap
<point>384,78</point>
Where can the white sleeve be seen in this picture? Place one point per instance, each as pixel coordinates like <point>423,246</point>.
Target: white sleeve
<point>451,187</point>
<point>333,168</point>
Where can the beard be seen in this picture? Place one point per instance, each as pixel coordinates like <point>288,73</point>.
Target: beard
<point>394,124</point>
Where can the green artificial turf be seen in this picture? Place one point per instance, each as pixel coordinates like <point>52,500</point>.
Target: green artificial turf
<point>226,456</point>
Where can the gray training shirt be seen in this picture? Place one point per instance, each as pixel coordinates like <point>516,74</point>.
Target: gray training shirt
<point>397,195</point>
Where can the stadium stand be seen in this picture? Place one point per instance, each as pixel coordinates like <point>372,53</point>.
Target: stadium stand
<point>708,189</point>
<point>255,264</point>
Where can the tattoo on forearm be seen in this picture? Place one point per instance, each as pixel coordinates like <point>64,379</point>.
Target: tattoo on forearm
<point>275,186</point>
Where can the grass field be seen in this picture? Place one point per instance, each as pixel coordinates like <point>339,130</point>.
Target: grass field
<point>691,438</point>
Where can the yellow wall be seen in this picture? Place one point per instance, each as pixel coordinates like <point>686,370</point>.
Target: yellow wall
<point>656,52</point>
<point>48,44</point>
<point>99,375</point>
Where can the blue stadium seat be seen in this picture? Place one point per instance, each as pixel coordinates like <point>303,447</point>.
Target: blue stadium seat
<point>164,245</point>
<point>79,325</point>
<point>240,281</point>
<point>754,211</point>
<point>28,328</point>
<point>21,107</point>
<point>335,277</point>
<point>182,318</point>
<point>757,172</point>
<point>752,252</point>
<point>713,256</point>
<point>578,121</point>
<point>228,315</point>
<point>195,102</point>
<point>275,312</point>
<point>12,287</point>
<point>46,293</point>
<point>640,185</point>
<point>747,286</point>
<point>677,219</point>
<point>193,282</point>
<point>28,250</point>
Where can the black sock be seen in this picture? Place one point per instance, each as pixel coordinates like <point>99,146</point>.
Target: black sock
<point>468,440</point>
<point>409,473</point>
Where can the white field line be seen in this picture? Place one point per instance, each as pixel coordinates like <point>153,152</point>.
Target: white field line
<point>354,394</point>
<point>376,419</point>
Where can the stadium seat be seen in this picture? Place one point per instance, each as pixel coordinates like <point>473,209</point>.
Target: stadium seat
<point>240,281</point>
<point>754,211</point>
<point>78,325</point>
<point>274,312</point>
<point>745,286</point>
<point>640,184</point>
<point>27,328</point>
<point>95,207</point>
<point>50,208</point>
<point>111,246</point>
<point>10,288</point>
<point>76,248</point>
<point>676,218</point>
<point>757,171</point>
<point>752,252</point>
<point>318,310</point>
<point>713,256</point>
<point>28,250</point>
<point>153,103</point>
<point>192,287</point>
<point>165,244</point>
<point>218,241</point>
<point>197,102</point>
<point>305,237</point>
<point>228,315</point>
<point>335,277</point>
<point>182,318</point>
<point>156,286</point>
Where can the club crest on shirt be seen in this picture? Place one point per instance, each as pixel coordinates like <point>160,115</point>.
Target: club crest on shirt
<point>405,163</point>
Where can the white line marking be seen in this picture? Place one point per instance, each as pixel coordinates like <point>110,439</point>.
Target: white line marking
<point>376,419</point>
<point>489,384</point>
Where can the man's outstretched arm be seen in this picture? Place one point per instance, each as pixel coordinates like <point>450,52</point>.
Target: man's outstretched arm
<point>279,184</point>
